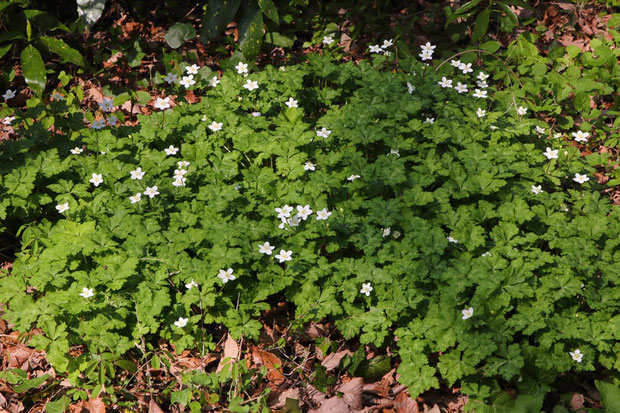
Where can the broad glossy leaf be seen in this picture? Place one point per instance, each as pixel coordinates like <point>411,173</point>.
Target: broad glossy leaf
<point>178,34</point>
<point>219,13</point>
<point>62,49</point>
<point>250,30</point>
<point>269,9</point>
<point>33,69</point>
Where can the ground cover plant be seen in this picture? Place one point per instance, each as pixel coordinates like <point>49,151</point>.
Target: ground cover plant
<point>423,211</point>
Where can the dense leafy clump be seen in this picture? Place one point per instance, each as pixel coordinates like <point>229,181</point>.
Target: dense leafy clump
<point>432,225</point>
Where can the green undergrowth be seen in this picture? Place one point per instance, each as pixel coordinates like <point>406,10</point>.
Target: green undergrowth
<point>447,234</point>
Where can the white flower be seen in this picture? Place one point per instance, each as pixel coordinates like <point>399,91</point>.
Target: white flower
<point>178,181</point>
<point>181,322</point>
<point>98,124</point>
<point>284,212</point>
<point>366,289</point>
<point>456,63</point>
<point>9,94</point>
<point>481,112</point>
<point>265,248</point>
<point>375,49</point>
<point>580,136</point>
<point>353,178</point>
<point>214,81</point>
<point>428,47</point>
<point>521,111</point>
<point>106,104</point>
<point>577,355</point>
<point>303,211</point>
<point>557,135</point>
<point>429,120</point>
<point>581,178</point>
<point>87,292</point>
<point>256,114</point>
<point>482,84</point>
<point>445,82</point>
<point>537,189</point>
<point>466,68</point>
<point>323,214</point>
<point>7,120</point>
<point>251,85</point>
<point>77,150</point>
<point>550,153</point>
<point>136,198</point>
<point>309,166</point>
<point>187,81</point>
<point>480,93</point>
<point>226,276</point>
<point>242,68</point>
<point>453,240</point>
<point>192,70</point>
<point>468,312</point>
<point>151,191</point>
<point>57,96</point>
<point>284,256</point>
<point>137,174</point>
<point>386,44</point>
<point>62,207</point>
<point>162,103</point>
<point>461,88</point>
<point>386,231</point>
<point>539,129</point>
<point>410,88</point>
<point>292,222</point>
<point>179,173</point>
<point>183,164</point>
<point>191,284</point>
<point>396,234</point>
<point>486,254</point>
<point>426,55</point>
<point>291,103</point>
<point>482,76</point>
<point>323,133</point>
<point>394,152</point>
<point>328,40</point>
<point>171,150</point>
<point>493,127</point>
<point>237,187</point>
<point>112,120</point>
<point>171,78</point>
<point>215,126</point>
<point>96,179</point>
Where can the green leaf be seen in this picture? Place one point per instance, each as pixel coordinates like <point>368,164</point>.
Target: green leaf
<point>33,69</point>
<point>582,103</point>
<point>63,50</point>
<point>58,406</point>
<point>219,13</point>
<point>279,40</point>
<point>143,97</point>
<point>467,6</point>
<point>610,396</point>
<point>127,365</point>
<point>250,30</point>
<point>481,24</point>
<point>179,33</point>
<point>511,14</point>
<point>44,21</point>
<point>31,384</point>
<point>181,397</point>
<point>269,9</point>
<point>5,49</point>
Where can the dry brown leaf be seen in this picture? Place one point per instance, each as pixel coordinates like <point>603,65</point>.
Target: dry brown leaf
<point>231,354</point>
<point>314,395</point>
<point>352,392</point>
<point>333,405</point>
<point>280,402</point>
<point>272,362</point>
<point>154,408</point>
<point>576,402</point>
<point>333,360</point>
<point>434,409</point>
<point>95,405</point>
<point>405,404</point>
